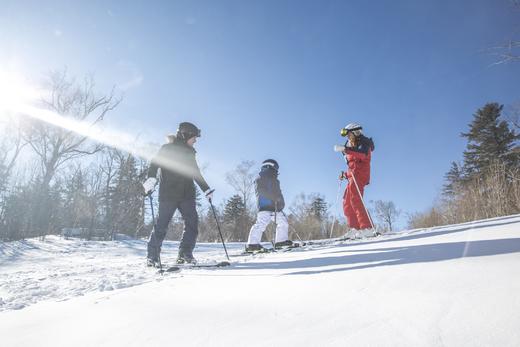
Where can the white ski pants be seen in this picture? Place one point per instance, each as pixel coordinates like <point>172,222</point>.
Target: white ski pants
<point>263,218</point>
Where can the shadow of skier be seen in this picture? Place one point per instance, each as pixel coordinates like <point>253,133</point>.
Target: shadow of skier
<point>393,256</point>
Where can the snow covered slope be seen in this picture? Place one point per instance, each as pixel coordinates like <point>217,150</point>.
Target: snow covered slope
<point>448,286</point>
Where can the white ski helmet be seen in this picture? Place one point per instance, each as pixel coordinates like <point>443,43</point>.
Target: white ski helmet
<point>355,128</point>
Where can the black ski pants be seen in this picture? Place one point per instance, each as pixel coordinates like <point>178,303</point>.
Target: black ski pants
<point>167,208</point>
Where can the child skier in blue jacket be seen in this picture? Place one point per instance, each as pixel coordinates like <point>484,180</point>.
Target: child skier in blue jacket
<point>270,204</point>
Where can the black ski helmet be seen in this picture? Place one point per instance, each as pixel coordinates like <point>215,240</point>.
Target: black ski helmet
<point>271,163</point>
<point>187,130</point>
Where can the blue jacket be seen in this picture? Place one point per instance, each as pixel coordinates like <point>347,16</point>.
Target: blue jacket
<point>268,192</point>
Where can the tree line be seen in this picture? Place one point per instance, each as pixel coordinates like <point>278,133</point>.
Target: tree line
<point>54,180</point>
<point>486,183</point>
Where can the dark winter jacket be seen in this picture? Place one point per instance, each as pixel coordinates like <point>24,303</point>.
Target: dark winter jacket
<point>178,170</point>
<point>268,191</point>
<point>358,159</point>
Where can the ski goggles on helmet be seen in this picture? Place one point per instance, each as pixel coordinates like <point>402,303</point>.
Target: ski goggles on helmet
<point>194,133</point>
<point>344,132</point>
<point>189,134</point>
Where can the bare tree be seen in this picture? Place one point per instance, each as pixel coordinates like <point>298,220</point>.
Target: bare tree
<point>508,51</point>
<point>11,145</point>
<point>512,115</point>
<point>108,169</point>
<point>308,217</point>
<point>432,217</point>
<point>94,192</point>
<point>53,145</point>
<point>386,213</point>
<point>242,179</point>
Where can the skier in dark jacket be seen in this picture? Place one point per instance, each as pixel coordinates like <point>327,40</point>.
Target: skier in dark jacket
<point>270,204</point>
<point>179,169</point>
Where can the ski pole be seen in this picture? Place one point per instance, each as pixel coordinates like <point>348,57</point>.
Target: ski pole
<point>294,230</point>
<point>157,249</point>
<point>218,227</point>
<point>273,239</point>
<point>151,206</point>
<point>334,209</point>
<point>362,201</point>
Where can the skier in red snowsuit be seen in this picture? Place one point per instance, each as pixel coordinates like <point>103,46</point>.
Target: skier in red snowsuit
<point>358,152</point>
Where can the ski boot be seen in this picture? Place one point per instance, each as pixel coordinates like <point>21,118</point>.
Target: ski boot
<point>349,235</point>
<point>284,244</point>
<point>256,248</point>
<point>150,262</point>
<point>186,259</point>
<point>369,232</point>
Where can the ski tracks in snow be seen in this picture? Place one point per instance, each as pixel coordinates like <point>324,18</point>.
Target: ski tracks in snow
<point>58,269</point>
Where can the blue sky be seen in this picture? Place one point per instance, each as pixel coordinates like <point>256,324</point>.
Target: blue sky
<point>280,78</point>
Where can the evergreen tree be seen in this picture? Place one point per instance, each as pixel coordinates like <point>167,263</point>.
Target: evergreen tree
<point>452,179</point>
<point>318,208</point>
<point>74,200</point>
<point>198,197</point>
<point>127,199</point>
<point>489,139</point>
<point>3,178</point>
<point>17,217</point>
<point>208,226</point>
<point>308,216</point>
<point>235,217</point>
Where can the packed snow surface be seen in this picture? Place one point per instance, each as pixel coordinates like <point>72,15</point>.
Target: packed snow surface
<point>448,286</point>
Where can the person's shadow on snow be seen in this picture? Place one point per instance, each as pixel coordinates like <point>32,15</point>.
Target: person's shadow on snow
<point>444,230</point>
<point>358,259</point>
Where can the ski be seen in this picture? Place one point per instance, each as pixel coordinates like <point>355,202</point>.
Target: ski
<point>359,237</point>
<point>261,251</point>
<point>291,247</point>
<point>271,250</point>
<point>179,267</point>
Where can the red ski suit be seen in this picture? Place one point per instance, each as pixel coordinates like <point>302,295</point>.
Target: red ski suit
<point>358,159</point>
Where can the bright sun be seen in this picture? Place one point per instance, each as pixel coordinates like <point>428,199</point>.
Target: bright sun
<point>15,92</point>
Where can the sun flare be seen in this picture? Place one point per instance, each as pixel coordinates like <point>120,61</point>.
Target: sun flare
<point>15,92</point>
<point>17,98</point>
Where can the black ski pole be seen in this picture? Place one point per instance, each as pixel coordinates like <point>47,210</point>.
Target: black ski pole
<point>157,247</point>
<point>218,227</point>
